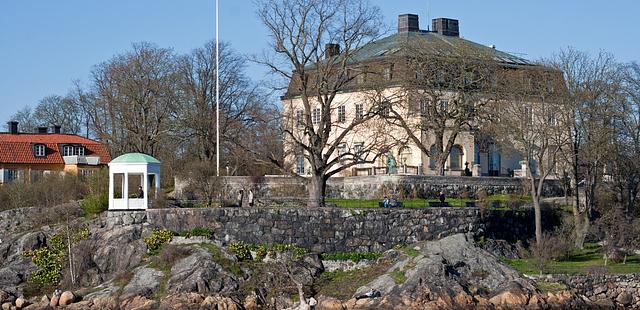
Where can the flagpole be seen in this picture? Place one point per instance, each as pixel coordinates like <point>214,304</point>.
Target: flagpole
<point>217,95</point>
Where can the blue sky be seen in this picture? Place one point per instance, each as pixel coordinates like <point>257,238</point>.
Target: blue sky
<point>46,45</point>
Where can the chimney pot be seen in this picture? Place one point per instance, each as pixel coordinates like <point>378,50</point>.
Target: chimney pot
<point>446,26</point>
<point>331,50</point>
<point>57,128</point>
<point>43,130</point>
<point>408,23</point>
<point>13,127</point>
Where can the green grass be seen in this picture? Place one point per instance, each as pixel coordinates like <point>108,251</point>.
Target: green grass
<point>219,258</point>
<point>343,284</point>
<point>412,203</point>
<point>546,286</point>
<point>416,203</point>
<point>579,263</point>
<point>398,276</point>
<point>407,249</point>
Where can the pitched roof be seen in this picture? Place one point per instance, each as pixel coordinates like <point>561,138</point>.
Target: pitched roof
<point>18,148</point>
<point>393,44</point>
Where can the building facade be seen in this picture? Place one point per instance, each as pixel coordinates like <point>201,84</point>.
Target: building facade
<point>27,157</point>
<point>385,62</point>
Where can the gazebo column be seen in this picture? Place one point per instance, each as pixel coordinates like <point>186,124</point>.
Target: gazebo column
<point>125,189</point>
<point>145,194</point>
<point>157,179</point>
<point>111,190</point>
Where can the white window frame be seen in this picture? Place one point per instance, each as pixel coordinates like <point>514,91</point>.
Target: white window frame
<point>68,150</point>
<point>300,164</point>
<point>316,116</point>
<point>299,118</point>
<point>79,150</point>
<point>342,114</point>
<point>39,150</point>
<point>359,111</point>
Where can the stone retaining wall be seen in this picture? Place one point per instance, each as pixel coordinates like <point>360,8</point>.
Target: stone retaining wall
<point>607,290</point>
<point>322,230</point>
<point>371,187</point>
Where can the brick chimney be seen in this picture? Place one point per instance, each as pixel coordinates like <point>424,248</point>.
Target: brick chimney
<point>13,127</point>
<point>446,26</point>
<point>408,23</point>
<point>331,50</point>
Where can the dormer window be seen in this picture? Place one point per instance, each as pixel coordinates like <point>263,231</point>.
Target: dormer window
<point>80,150</point>
<point>67,150</point>
<point>39,150</point>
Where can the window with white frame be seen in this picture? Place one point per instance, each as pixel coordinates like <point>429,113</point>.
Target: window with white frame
<point>300,164</point>
<point>39,150</point>
<point>68,150</point>
<point>342,117</point>
<point>359,111</point>
<point>424,106</point>
<point>299,118</point>
<point>79,150</point>
<point>315,116</point>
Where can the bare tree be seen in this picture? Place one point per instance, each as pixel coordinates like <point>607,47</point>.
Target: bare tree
<point>299,31</point>
<point>133,99</point>
<point>26,119</point>
<point>62,111</point>
<point>446,88</point>
<point>527,123</point>
<point>592,84</point>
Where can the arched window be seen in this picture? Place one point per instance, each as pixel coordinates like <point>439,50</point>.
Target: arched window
<point>433,151</point>
<point>455,158</point>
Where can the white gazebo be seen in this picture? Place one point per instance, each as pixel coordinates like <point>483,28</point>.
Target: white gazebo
<point>133,178</point>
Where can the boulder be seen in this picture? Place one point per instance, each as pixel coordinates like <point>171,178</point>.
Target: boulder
<point>66,298</point>
<point>200,274</point>
<point>329,303</point>
<point>512,294</point>
<point>4,296</point>
<point>306,269</point>
<point>6,306</point>
<point>21,303</point>
<point>625,298</point>
<point>138,303</point>
<point>220,303</point>
<point>145,282</point>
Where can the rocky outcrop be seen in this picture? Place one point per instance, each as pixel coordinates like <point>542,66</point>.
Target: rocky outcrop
<point>451,273</point>
<point>145,282</point>
<point>615,290</point>
<point>198,273</point>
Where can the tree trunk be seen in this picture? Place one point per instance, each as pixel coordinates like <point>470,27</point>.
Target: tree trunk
<point>317,186</point>
<point>537,211</point>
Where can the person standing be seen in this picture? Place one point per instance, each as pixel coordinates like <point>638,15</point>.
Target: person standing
<point>250,198</point>
<point>312,303</point>
<point>441,197</point>
<point>240,197</point>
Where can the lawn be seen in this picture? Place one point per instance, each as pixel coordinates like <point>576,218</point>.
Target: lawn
<point>579,263</point>
<point>414,203</point>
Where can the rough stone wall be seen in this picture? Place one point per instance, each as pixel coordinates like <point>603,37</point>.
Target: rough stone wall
<point>620,290</point>
<point>371,187</point>
<point>322,230</point>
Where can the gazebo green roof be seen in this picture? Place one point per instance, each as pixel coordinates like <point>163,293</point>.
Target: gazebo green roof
<point>135,158</point>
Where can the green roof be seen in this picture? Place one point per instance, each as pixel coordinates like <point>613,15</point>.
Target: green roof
<point>135,158</point>
<point>393,45</point>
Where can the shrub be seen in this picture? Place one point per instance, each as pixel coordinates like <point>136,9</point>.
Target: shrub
<point>95,204</point>
<point>170,255</point>
<point>352,256</point>
<point>48,191</point>
<point>197,232</point>
<point>157,239</point>
<point>240,249</point>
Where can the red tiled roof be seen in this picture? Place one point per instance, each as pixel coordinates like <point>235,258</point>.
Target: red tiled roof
<point>18,148</point>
